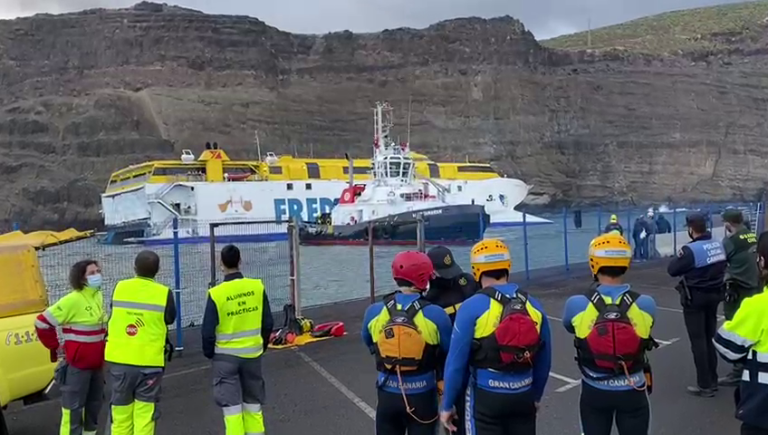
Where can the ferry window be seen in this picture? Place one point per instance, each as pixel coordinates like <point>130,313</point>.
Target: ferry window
<point>459,188</point>
<point>308,186</point>
<point>395,169</point>
<point>186,170</point>
<point>357,170</point>
<point>276,170</point>
<point>313,170</point>
<point>434,170</point>
<point>476,168</point>
<point>289,186</point>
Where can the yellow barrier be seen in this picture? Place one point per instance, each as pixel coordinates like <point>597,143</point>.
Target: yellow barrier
<point>43,239</point>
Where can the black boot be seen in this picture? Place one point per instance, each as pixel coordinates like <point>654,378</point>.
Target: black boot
<point>702,392</point>
<point>733,378</point>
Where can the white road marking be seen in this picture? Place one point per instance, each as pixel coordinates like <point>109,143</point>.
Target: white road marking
<point>567,387</point>
<point>556,319</point>
<point>366,408</point>
<point>677,310</point>
<point>664,343</point>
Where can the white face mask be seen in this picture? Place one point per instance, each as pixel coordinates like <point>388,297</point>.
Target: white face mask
<point>94,281</point>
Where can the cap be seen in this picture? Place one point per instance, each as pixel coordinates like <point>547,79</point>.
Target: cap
<point>444,263</point>
<point>733,216</point>
<point>694,218</point>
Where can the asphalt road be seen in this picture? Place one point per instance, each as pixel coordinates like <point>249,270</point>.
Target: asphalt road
<point>327,388</point>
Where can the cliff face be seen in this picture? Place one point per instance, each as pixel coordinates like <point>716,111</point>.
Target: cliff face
<point>84,94</point>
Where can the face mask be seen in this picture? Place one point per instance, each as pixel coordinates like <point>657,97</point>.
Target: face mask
<point>94,281</point>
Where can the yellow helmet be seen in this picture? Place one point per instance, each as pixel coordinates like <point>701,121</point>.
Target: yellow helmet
<point>609,250</point>
<point>490,254</point>
<point>614,219</point>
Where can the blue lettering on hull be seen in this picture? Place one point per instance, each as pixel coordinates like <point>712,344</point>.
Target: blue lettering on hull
<point>307,210</point>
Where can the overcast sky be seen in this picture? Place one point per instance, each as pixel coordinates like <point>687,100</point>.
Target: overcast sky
<point>545,18</point>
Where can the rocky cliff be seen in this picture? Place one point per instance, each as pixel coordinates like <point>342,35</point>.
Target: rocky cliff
<point>84,94</point>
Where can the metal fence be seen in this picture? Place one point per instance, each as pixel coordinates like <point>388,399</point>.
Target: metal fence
<point>319,275</point>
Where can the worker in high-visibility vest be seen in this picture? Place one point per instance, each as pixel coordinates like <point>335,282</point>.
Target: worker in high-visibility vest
<point>80,315</point>
<point>236,329</point>
<point>136,347</point>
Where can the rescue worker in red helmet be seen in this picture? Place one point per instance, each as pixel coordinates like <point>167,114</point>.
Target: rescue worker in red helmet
<point>612,325</point>
<point>80,315</point>
<point>410,338</point>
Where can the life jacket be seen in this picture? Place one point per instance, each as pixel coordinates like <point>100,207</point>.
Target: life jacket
<point>515,341</point>
<point>613,346</point>
<point>400,346</point>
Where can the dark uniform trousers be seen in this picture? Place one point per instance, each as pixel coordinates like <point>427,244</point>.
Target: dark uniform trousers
<point>701,322</point>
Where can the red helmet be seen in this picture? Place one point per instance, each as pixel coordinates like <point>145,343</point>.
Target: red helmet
<point>414,267</point>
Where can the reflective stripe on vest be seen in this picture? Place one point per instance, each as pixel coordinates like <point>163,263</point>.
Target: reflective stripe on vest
<point>706,252</point>
<point>137,330</point>
<point>83,310</point>
<point>239,305</point>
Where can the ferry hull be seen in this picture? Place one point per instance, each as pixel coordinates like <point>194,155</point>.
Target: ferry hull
<point>448,225</point>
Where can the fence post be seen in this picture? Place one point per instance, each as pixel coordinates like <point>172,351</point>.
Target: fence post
<point>371,268</point>
<point>600,220</point>
<point>177,285</point>
<point>565,237</point>
<point>212,245</point>
<point>295,267</point>
<point>525,246</point>
<point>16,226</point>
<point>420,242</point>
<point>711,220</point>
<point>674,230</point>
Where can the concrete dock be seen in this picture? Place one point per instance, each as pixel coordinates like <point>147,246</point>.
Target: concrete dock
<point>327,388</point>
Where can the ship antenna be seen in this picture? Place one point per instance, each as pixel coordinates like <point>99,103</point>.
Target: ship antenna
<point>408,139</point>
<point>258,144</point>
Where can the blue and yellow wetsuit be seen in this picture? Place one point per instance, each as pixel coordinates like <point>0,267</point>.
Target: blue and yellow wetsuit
<point>496,402</point>
<point>619,395</point>
<point>392,417</point>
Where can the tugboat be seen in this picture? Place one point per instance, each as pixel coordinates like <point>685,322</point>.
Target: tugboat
<point>393,202</point>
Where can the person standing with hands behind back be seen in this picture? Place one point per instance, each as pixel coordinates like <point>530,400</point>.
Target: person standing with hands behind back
<point>142,309</point>
<point>236,329</point>
<point>701,267</point>
<point>742,277</point>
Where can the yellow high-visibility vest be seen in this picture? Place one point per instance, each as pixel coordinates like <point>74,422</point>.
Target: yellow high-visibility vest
<point>137,331</point>
<point>239,304</point>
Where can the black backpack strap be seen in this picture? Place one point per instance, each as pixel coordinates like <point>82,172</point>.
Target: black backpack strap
<point>627,299</point>
<point>415,307</point>
<point>522,295</point>
<point>597,300</point>
<point>496,295</point>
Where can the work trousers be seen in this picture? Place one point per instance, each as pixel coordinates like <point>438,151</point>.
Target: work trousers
<point>701,322</point>
<point>135,395</point>
<point>392,417</point>
<point>752,430</point>
<point>238,389</point>
<point>82,394</point>
<point>599,408</point>
<point>3,427</point>
<point>489,413</point>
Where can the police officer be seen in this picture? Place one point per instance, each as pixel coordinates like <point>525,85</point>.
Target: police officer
<point>450,286</point>
<point>742,278</point>
<point>614,225</point>
<point>80,315</point>
<point>236,329</point>
<point>743,339</point>
<point>136,347</point>
<point>701,266</point>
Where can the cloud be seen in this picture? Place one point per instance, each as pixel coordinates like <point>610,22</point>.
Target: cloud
<point>545,18</point>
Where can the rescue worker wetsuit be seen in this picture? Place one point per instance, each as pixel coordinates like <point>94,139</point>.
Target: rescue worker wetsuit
<point>136,347</point>
<point>742,277</point>
<point>701,266</point>
<point>236,328</point>
<point>619,396</point>
<point>419,390</point>
<point>497,402</point>
<point>80,315</point>
<point>614,225</point>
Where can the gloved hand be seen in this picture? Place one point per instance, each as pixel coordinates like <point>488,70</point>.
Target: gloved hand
<point>731,296</point>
